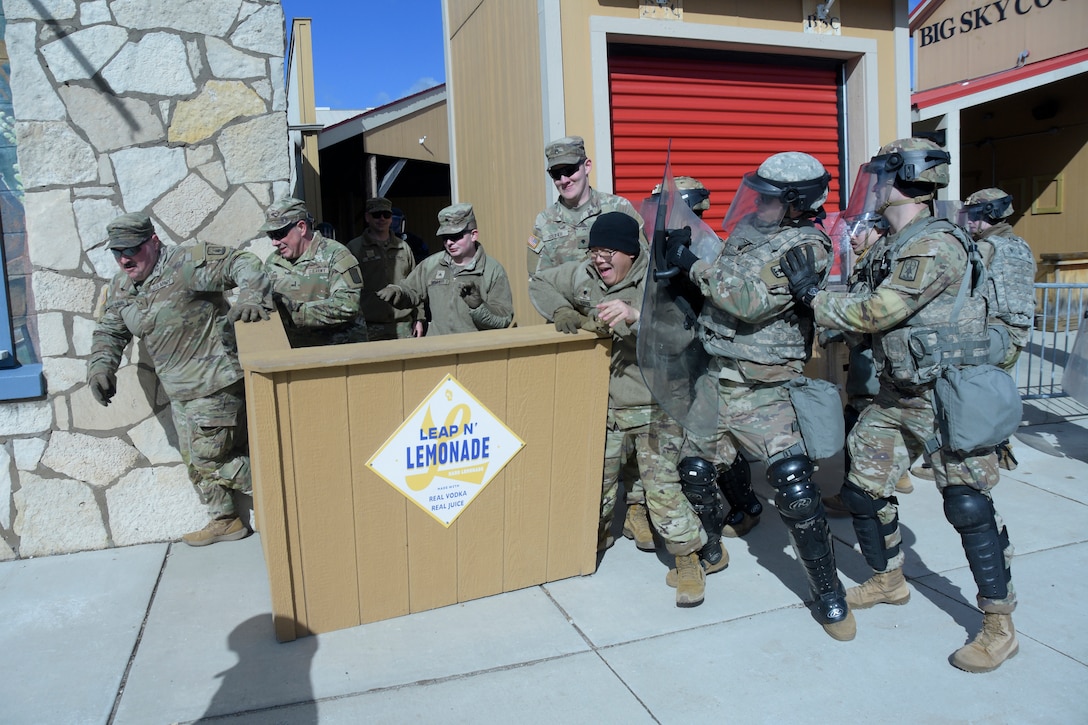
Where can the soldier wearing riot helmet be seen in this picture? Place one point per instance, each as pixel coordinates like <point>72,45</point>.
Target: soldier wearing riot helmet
<point>867,235</point>
<point>1010,282</point>
<point>759,344</point>
<point>921,322</point>
<point>734,479</point>
<point>1009,289</point>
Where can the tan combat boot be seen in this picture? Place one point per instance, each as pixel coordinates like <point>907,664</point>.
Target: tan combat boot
<point>742,527</point>
<point>708,568</point>
<point>230,529</point>
<point>904,484</point>
<point>690,580</point>
<point>637,526</point>
<point>923,471</point>
<point>995,643</point>
<point>843,630</point>
<point>883,588</point>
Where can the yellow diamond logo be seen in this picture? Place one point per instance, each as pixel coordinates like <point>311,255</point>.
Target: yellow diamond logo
<point>447,451</point>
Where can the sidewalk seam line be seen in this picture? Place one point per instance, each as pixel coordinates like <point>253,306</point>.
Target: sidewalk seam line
<point>139,637</point>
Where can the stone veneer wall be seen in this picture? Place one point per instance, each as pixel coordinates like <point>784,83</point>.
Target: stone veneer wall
<point>173,107</point>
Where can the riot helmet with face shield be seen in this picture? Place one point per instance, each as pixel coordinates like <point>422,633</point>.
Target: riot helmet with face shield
<point>785,185</point>
<point>917,167</point>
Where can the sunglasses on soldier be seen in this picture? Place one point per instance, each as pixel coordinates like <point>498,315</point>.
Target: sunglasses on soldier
<point>381,214</point>
<point>567,170</point>
<point>279,234</point>
<point>129,252</point>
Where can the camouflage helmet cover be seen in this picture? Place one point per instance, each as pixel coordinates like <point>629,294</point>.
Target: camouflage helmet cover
<point>988,204</point>
<point>691,190</point>
<point>798,178</point>
<point>914,160</point>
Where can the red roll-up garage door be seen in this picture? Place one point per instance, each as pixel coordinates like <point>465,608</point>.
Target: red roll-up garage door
<point>724,119</point>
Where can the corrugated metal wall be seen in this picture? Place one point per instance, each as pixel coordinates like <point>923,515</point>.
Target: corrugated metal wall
<point>724,119</point>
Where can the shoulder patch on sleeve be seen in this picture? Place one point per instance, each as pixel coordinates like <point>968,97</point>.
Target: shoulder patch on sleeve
<point>773,276</point>
<point>355,277</point>
<point>215,252</point>
<point>535,244</point>
<point>910,272</point>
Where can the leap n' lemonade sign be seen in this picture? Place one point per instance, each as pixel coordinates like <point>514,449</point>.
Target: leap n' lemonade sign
<point>447,451</point>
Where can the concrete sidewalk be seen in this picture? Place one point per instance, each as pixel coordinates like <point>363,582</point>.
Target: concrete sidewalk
<point>163,633</point>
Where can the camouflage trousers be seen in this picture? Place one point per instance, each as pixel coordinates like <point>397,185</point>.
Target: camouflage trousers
<point>389,330</point>
<point>212,436</point>
<point>889,435</point>
<point>755,417</point>
<point>655,439</point>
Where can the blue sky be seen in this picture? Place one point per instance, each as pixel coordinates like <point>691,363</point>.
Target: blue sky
<point>370,52</point>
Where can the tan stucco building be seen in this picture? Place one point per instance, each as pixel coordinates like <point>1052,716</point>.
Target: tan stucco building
<point>1004,82</point>
<point>729,82</point>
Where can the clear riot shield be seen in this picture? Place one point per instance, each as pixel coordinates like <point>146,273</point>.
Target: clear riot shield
<point>1075,377</point>
<point>670,353</point>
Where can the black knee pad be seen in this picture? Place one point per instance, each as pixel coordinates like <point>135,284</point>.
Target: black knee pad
<point>698,481</point>
<point>796,496</point>
<point>968,509</point>
<point>871,533</point>
<point>972,513</point>
<point>697,472</point>
<point>736,485</point>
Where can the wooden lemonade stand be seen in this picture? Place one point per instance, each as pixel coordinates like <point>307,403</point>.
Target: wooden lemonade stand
<point>343,546</point>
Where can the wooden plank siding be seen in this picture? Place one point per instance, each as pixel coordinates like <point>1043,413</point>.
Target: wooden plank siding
<point>342,546</point>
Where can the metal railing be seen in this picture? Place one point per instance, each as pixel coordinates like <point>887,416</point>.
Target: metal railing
<point>1059,310</point>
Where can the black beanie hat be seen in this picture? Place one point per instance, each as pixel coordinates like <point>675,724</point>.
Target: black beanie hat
<point>615,230</point>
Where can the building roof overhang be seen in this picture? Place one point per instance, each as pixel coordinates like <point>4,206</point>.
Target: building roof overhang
<point>938,101</point>
<point>375,118</point>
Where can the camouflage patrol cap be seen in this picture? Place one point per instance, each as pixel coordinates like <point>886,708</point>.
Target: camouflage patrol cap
<point>283,212</point>
<point>691,191</point>
<point>990,203</point>
<point>565,151</point>
<point>915,159</point>
<point>129,230</point>
<point>456,219</point>
<point>378,203</point>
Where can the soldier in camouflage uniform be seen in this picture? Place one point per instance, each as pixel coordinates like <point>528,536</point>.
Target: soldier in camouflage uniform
<point>561,231</point>
<point>910,314</point>
<point>466,289</point>
<point>315,280</point>
<point>172,298</point>
<point>759,340</point>
<point>560,234</point>
<point>384,259</point>
<point>868,238</point>
<point>1010,283</point>
<point>734,478</point>
<point>602,294</point>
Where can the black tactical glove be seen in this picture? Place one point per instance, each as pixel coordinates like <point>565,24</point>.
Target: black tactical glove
<point>470,293</point>
<point>569,320</point>
<point>103,386</point>
<point>678,249</point>
<point>799,266</point>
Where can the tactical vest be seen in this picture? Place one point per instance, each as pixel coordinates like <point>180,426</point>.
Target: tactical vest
<point>1010,284</point>
<point>929,340</point>
<point>786,337</point>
